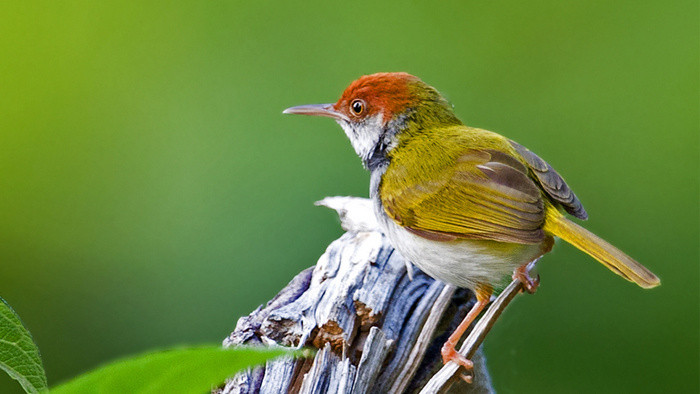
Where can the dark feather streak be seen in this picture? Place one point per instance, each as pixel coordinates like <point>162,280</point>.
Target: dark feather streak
<point>552,183</point>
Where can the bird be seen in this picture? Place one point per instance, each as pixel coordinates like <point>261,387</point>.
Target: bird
<point>465,205</point>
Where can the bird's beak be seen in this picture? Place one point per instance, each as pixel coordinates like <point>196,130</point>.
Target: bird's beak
<point>326,110</point>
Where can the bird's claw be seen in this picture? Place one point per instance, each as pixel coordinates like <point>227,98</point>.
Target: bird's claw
<point>530,284</point>
<point>449,353</point>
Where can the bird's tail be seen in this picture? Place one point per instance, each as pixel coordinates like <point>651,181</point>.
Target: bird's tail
<point>599,249</point>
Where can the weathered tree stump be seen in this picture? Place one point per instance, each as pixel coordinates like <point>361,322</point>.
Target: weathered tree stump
<point>378,322</point>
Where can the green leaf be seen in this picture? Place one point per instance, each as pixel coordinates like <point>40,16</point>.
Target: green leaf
<point>185,370</point>
<point>19,355</point>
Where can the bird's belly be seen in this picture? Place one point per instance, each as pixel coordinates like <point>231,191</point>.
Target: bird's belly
<point>462,263</point>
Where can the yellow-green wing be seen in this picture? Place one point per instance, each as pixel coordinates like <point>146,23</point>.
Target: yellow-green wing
<point>479,194</point>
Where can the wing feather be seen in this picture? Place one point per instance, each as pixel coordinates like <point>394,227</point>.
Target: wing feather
<point>552,183</point>
<point>485,194</point>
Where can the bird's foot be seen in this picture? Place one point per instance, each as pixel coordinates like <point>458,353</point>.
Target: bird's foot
<point>449,353</point>
<point>523,275</point>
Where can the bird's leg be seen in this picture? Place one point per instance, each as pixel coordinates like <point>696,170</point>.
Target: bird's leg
<point>449,353</point>
<point>522,274</point>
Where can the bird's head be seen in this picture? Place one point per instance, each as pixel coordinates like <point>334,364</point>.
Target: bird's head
<point>377,110</point>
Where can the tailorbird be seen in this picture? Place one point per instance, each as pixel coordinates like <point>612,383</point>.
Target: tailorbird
<point>465,205</point>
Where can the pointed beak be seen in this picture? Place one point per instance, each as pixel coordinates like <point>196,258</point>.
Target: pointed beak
<point>326,110</point>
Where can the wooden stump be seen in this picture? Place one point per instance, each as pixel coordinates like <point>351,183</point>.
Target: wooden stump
<point>378,322</point>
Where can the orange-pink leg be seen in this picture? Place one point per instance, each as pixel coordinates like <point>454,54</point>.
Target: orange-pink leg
<point>449,353</point>
<point>522,274</point>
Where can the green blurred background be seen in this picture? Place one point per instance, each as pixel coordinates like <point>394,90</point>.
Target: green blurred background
<point>152,192</point>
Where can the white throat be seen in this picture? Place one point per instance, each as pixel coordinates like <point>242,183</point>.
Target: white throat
<point>369,138</point>
<point>363,136</point>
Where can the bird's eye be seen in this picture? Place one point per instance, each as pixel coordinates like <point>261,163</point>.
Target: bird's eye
<point>357,106</point>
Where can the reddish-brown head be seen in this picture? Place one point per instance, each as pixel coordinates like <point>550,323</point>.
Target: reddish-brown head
<point>388,94</point>
<point>375,110</point>
<point>380,96</point>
